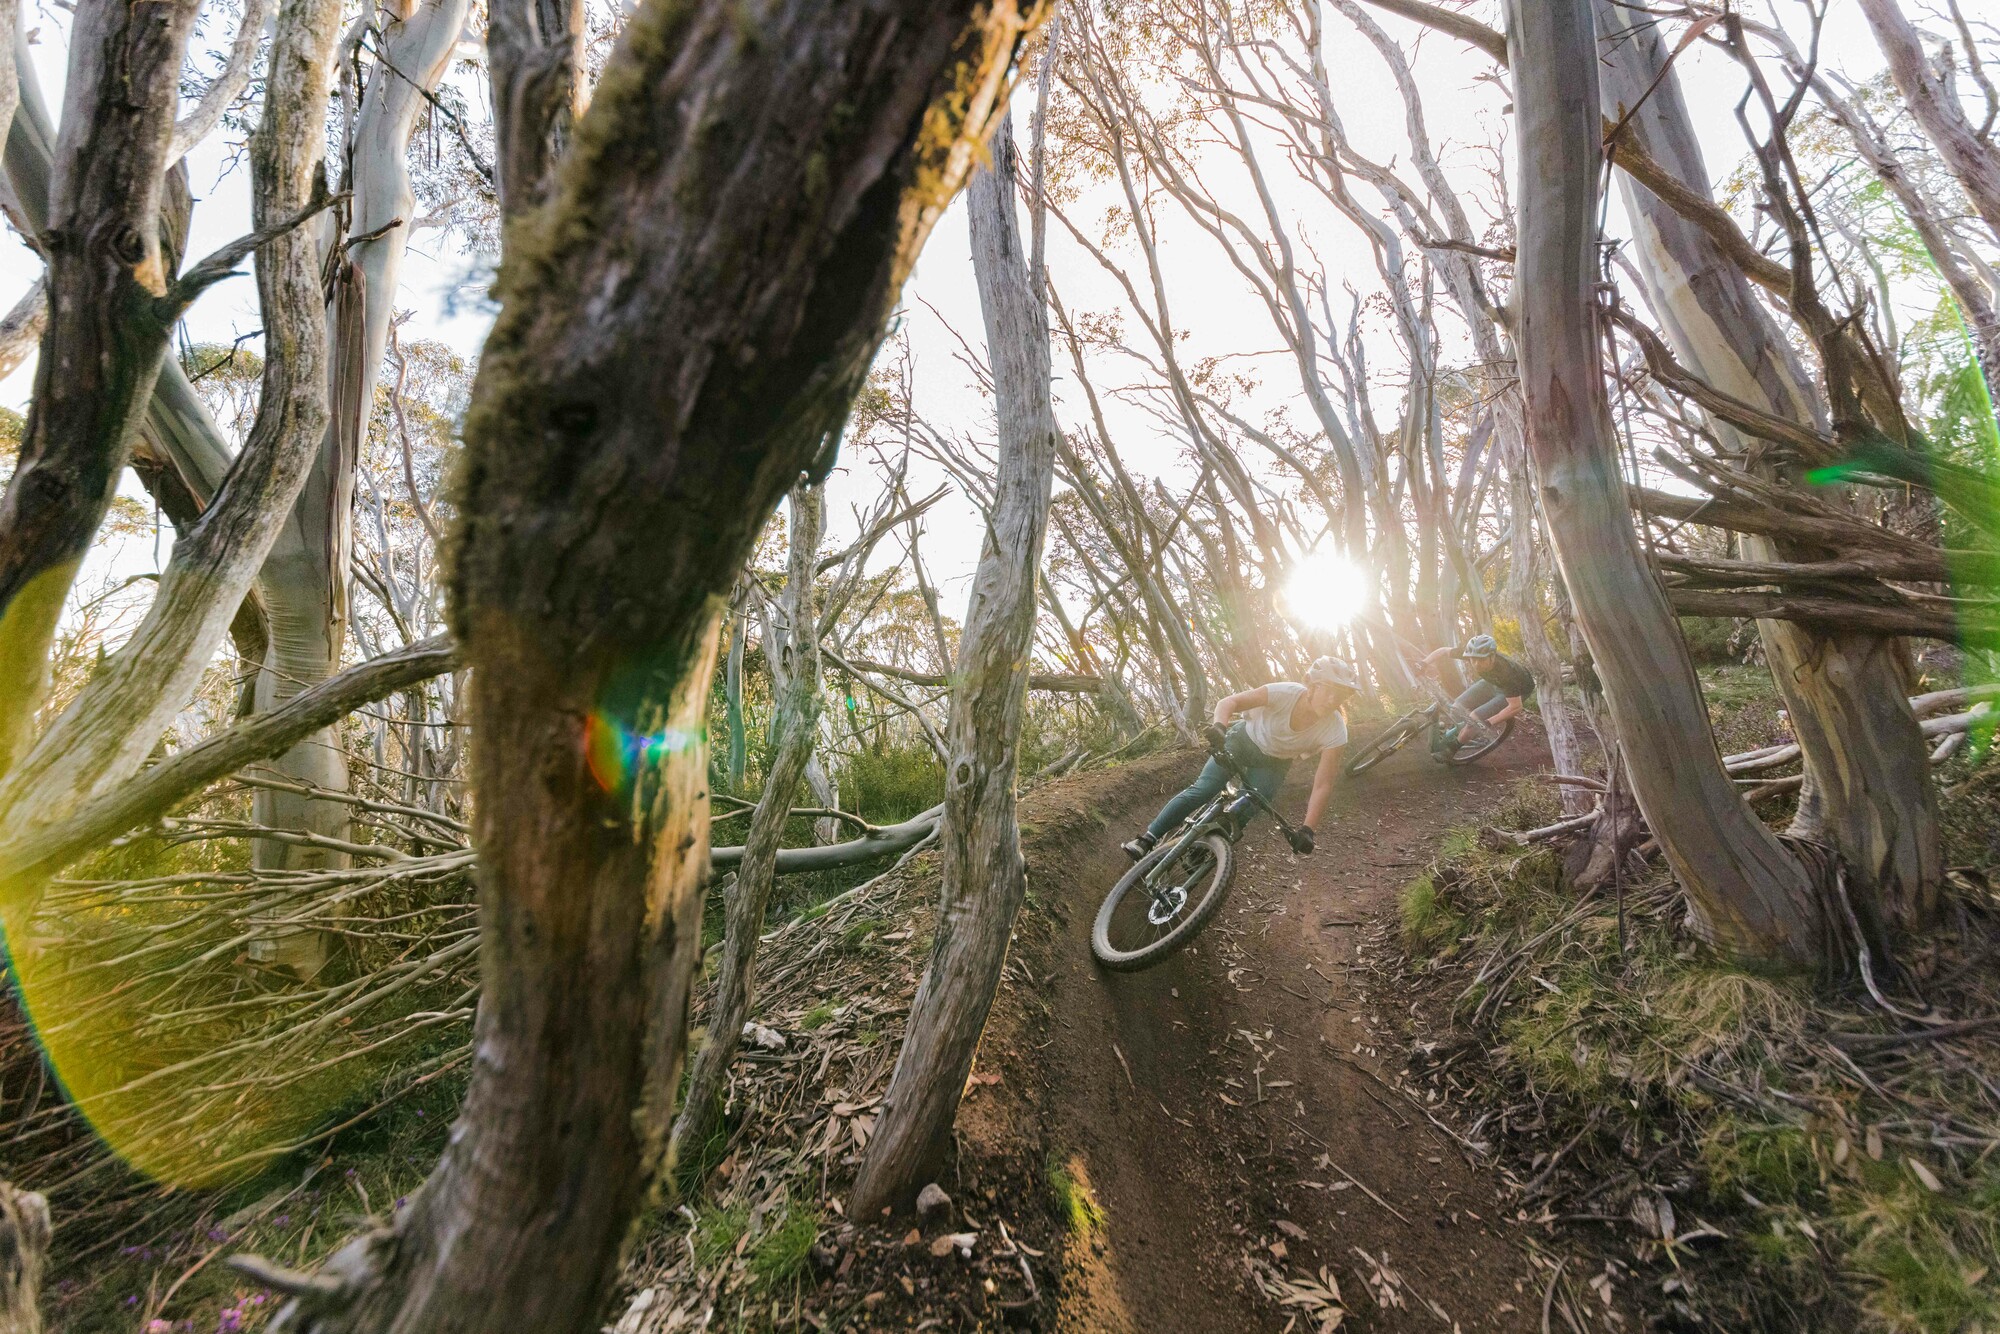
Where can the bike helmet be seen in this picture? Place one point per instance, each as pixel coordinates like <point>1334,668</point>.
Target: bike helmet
<point>1480,646</point>
<point>1333,672</point>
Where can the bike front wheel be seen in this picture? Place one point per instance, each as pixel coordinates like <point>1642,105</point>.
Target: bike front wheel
<point>1141,924</point>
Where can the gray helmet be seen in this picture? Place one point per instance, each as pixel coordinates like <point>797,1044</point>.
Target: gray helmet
<point>1333,672</point>
<point>1480,646</point>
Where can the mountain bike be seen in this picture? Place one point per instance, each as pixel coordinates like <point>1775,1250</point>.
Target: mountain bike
<point>1171,893</point>
<point>1424,721</point>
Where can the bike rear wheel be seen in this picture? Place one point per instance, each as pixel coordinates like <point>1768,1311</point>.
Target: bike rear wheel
<point>1397,736</point>
<point>1467,752</point>
<point>1138,926</point>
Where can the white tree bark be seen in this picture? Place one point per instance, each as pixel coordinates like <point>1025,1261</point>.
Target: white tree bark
<point>115,722</point>
<point>306,576</point>
<point>796,729</point>
<point>1747,892</point>
<point>1974,161</point>
<point>984,877</point>
<point>1868,789</point>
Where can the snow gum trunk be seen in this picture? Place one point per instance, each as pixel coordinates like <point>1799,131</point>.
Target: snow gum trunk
<point>984,876</point>
<point>1747,892</point>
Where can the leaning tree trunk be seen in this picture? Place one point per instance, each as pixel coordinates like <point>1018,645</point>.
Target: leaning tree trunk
<point>682,326</point>
<point>1971,158</point>
<point>306,576</point>
<point>103,738</point>
<point>1748,894</point>
<point>1867,788</point>
<point>984,876</point>
<point>795,727</point>
<point>110,314</point>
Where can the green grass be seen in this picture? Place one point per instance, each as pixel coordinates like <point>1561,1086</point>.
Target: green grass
<point>718,1228</point>
<point>1076,1204</point>
<point>781,1255</point>
<point>1817,1232</point>
<point>818,1016</point>
<point>1429,922</point>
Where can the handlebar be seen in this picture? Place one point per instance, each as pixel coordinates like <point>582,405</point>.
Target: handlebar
<point>1219,753</point>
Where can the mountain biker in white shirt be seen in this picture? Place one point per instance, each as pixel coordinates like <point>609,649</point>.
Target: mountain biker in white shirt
<point>1279,723</point>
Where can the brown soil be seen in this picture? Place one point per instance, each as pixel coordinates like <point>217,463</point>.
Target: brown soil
<point>1240,1105</point>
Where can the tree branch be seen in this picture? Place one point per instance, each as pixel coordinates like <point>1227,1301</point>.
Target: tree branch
<point>157,789</point>
<point>1468,30</point>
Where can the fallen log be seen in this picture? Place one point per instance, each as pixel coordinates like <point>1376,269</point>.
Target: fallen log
<point>1062,683</point>
<point>879,842</point>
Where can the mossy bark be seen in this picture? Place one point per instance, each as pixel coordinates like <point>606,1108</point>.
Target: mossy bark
<point>682,326</point>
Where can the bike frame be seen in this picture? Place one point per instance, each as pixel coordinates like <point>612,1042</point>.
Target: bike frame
<point>1226,802</point>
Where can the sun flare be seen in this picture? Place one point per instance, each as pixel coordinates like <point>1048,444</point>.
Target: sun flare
<point>1326,591</point>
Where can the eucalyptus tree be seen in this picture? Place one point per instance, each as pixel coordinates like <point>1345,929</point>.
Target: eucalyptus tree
<point>103,737</point>
<point>1969,152</point>
<point>984,877</point>
<point>794,660</point>
<point>686,312</point>
<point>1748,892</point>
<point>1868,789</point>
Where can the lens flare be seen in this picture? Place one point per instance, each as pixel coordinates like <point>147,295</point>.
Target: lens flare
<point>617,754</point>
<point>1326,591</point>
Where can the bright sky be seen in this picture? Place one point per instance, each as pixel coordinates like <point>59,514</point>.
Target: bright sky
<point>1466,114</point>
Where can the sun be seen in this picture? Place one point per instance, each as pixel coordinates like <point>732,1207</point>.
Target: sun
<point>1326,590</point>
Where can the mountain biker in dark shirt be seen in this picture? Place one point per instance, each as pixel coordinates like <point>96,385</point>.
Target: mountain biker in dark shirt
<point>1500,688</point>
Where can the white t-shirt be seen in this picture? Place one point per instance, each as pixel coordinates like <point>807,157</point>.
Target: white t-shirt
<point>1270,727</point>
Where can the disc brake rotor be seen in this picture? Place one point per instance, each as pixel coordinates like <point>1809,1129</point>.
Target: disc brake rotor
<point>1166,905</point>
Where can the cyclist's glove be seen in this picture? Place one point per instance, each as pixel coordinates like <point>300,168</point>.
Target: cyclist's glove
<point>1214,736</point>
<point>1301,840</point>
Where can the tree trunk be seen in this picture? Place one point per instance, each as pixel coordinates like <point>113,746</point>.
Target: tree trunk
<point>306,576</point>
<point>682,326</point>
<point>1867,787</point>
<point>1524,594</point>
<point>1973,161</point>
<point>104,737</point>
<point>107,330</point>
<point>795,727</point>
<point>983,873</point>
<point>1747,892</point>
<point>24,1250</point>
<point>732,688</point>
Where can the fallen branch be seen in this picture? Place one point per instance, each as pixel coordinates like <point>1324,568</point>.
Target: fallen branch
<point>42,849</point>
<point>882,841</point>
<point>1055,681</point>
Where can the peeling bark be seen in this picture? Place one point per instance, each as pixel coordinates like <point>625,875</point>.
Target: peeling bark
<point>984,876</point>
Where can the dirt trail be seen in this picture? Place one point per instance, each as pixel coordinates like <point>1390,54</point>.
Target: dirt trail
<point>1222,1093</point>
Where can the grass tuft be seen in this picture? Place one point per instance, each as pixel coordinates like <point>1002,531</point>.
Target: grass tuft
<point>1076,1204</point>
<point>780,1256</point>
